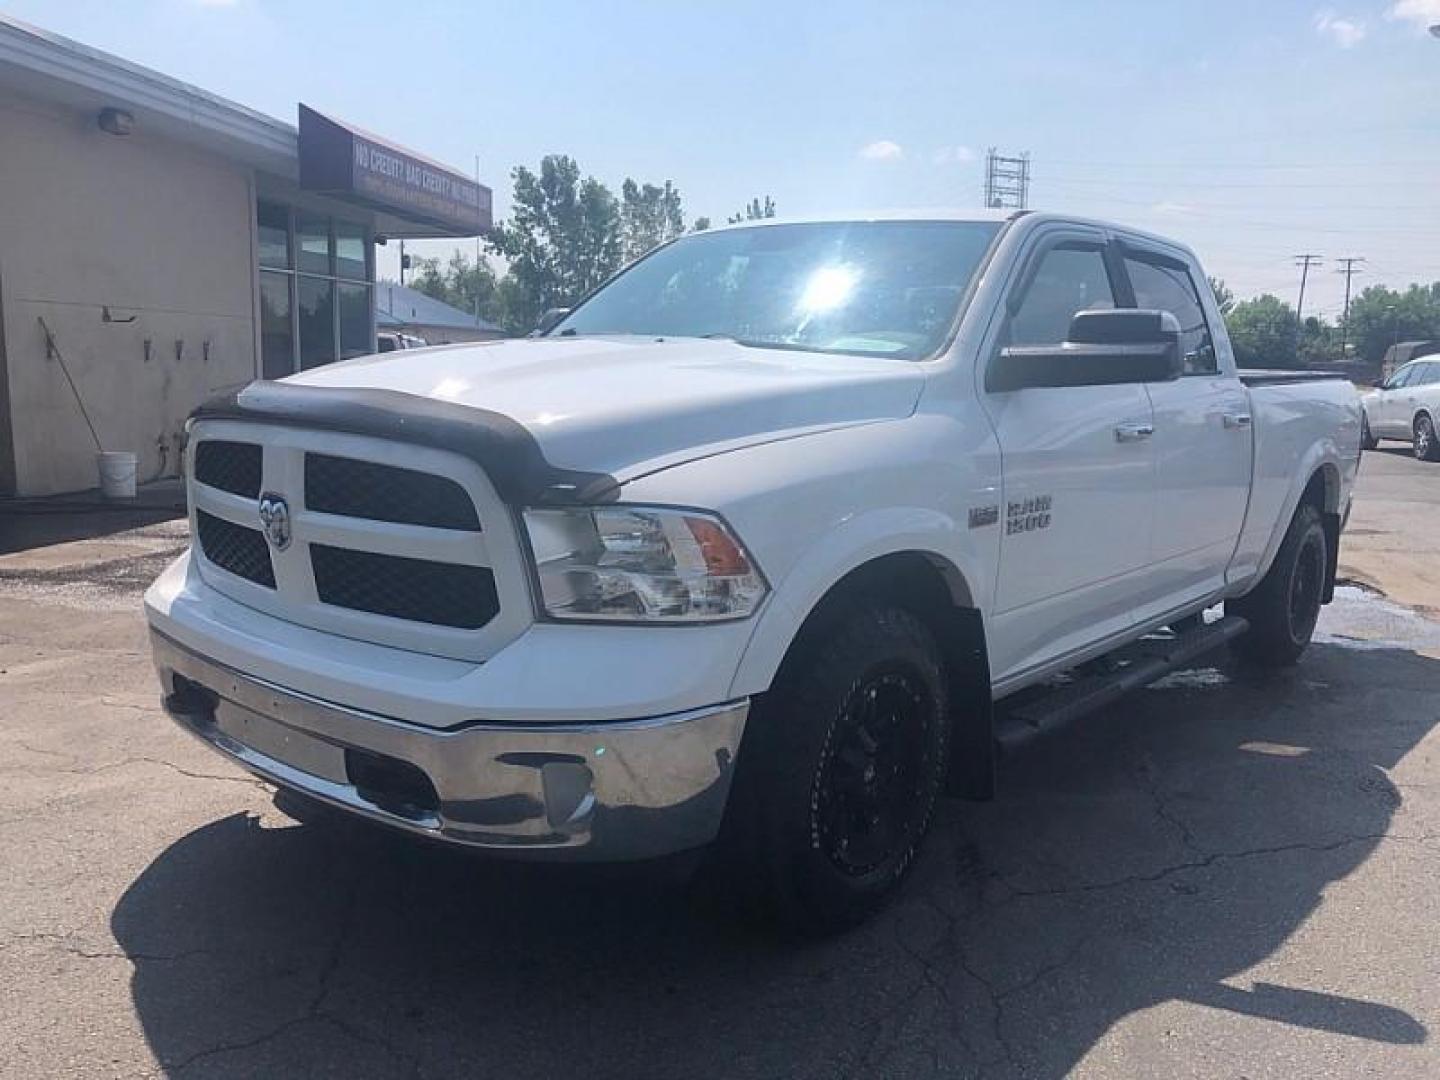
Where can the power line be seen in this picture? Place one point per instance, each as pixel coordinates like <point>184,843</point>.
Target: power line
<point>1213,164</point>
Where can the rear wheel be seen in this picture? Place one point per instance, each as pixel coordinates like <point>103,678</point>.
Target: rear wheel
<point>1427,445</point>
<point>842,764</point>
<point>1283,609</point>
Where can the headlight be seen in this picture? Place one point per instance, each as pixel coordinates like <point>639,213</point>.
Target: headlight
<point>641,564</point>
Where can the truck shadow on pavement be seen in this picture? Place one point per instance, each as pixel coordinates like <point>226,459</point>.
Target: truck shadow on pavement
<point>1163,852</point>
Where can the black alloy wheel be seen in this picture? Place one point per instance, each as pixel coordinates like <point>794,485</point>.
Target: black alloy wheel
<point>869,790</point>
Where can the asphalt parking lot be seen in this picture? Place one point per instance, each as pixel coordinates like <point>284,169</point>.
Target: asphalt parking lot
<point>1222,876</point>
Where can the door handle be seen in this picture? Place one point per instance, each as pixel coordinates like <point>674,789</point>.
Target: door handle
<point>1133,431</point>
<point>1237,420</point>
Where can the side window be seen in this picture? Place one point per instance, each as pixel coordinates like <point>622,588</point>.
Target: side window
<point>1401,377</point>
<point>1070,278</point>
<point>1169,287</point>
<point>1429,374</point>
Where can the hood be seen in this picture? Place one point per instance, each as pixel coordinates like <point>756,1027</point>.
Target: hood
<point>628,405</point>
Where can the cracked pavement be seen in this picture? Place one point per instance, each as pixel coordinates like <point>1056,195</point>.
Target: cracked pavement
<point>1222,876</point>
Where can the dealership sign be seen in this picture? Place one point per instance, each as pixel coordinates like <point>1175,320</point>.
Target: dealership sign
<point>343,161</point>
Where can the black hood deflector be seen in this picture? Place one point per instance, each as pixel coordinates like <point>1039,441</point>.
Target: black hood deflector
<point>504,448</point>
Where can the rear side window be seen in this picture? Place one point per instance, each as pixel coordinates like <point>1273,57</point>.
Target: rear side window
<point>1168,286</point>
<point>1070,278</point>
<point>1403,377</point>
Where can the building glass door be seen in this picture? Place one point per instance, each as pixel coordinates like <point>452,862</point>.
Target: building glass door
<point>316,289</point>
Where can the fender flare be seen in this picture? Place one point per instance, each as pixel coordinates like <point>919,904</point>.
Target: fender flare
<point>1325,461</point>
<point>861,539</point>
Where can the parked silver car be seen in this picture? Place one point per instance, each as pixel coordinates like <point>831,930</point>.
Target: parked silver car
<point>1406,406</point>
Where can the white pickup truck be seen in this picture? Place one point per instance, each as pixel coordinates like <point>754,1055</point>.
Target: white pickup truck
<point>754,548</point>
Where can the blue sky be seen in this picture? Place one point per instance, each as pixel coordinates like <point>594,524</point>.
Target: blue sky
<point>1252,130</point>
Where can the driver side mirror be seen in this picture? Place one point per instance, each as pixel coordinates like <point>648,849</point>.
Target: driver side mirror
<point>1102,348</point>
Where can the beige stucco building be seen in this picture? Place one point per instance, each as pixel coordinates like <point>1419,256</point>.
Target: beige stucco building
<point>159,245</point>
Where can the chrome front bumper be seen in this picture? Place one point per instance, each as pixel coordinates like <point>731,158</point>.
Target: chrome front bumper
<point>604,791</point>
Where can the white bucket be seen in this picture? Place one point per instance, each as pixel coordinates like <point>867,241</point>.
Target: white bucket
<point>117,473</point>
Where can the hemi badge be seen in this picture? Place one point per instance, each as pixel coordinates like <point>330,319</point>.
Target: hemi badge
<point>980,516</point>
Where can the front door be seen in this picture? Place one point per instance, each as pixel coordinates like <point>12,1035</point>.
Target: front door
<point>1078,475</point>
<point>1393,415</point>
<point>1204,438</point>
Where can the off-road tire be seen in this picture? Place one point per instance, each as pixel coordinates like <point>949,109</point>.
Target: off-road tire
<point>1427,440</point>
<point>798,847</point>
<point>1282,610</point>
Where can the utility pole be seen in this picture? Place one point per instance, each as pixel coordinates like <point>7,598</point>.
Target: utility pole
<point>1347,267</point>
<point>404,262</point>
<point>1304,262</point>
<point>1007,180</point>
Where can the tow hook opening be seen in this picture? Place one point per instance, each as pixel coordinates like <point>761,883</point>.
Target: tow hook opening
<point>190,700</point>
<point>393,785</point>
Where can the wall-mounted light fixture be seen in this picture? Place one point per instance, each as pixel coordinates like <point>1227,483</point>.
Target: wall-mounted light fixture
<point>116,121</point>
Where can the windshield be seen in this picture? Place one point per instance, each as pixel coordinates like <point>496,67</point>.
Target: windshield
<point>878,288</point>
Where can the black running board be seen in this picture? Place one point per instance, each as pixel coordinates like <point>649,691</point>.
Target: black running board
<point>1129,668</point>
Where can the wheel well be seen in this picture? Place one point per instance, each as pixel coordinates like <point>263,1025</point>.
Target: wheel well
<point>935,591</point>
<point>1322,491</point>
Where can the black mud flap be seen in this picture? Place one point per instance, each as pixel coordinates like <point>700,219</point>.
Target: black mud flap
<point>972,734</point>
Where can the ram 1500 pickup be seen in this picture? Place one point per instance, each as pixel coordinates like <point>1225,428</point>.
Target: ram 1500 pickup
<point>754,549</point>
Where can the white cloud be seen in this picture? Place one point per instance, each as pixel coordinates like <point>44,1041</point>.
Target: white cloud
<point>1343,31</point>
<point>882,150</point>
<point>1173,209</point>
<point>953,155</point>
<point>1423,13</point>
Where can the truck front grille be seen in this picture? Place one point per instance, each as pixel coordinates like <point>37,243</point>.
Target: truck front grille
<point>236,549</point>
<point>372,539</point>
<point>365,489</point>
<point>229,466</point>
<point>444,594</point>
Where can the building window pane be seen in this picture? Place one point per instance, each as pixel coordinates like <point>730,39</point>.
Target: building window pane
<point>277,334</point>
<point>273,223</point>
<point>350,251</point>
<point>316,297</point>
<point>312,239</point>
<point>355,337</point>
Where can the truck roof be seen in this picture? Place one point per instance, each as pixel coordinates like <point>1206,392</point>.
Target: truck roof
<point>952,214</point>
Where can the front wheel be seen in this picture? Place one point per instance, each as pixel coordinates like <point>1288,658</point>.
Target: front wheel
<point>842,764</point>
<point>1283,609</point>
<point>1427,445</point>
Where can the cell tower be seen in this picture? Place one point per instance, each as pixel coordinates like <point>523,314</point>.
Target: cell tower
<point>1007,180</point>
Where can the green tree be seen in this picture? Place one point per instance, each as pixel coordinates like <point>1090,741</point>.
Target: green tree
<point>1319,343</point>
<point>649,216</point>
<point>755,210</point>
<point>1262,332</point>
<point>470,286</point>
<point>1224,297</point>
<point>464,284</point>
<point>426,277</point>
<point>562,239</point>
<point>1379,317</point>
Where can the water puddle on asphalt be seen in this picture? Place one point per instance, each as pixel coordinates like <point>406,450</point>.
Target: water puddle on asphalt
<point>1360,618</point>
